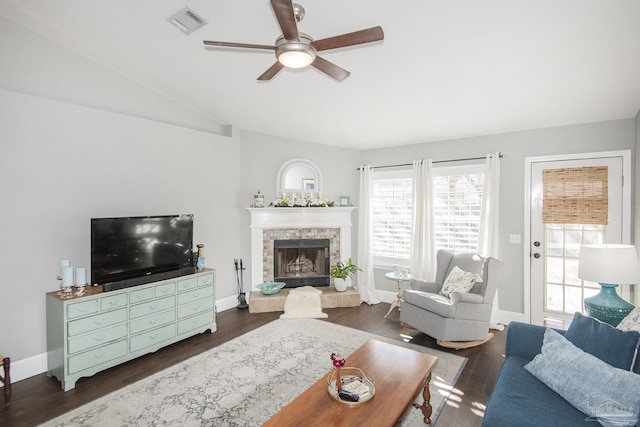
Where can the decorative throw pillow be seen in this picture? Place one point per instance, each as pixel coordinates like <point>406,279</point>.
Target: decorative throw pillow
<point>458,281</point>
<point>616,347</point>
<point>606,394</point>
<point>632,321</point>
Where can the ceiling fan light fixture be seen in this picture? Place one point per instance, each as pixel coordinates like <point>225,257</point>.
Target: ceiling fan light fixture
<point>296,59</point>
<point>295,54</point>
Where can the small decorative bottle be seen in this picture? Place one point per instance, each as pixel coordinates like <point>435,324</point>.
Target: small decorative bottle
<point>259,200</point>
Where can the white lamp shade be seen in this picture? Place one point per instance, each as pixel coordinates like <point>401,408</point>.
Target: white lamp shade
<point>609,263</point>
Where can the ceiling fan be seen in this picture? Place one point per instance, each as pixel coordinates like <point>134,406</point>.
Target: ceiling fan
<point>294,49</point>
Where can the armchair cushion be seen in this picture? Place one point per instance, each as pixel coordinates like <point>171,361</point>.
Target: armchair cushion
<point>459,281</point>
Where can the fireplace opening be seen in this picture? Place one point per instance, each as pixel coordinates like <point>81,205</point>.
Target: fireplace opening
<point>301,262</point>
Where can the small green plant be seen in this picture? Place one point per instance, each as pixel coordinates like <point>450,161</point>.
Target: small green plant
<point>342,270</point>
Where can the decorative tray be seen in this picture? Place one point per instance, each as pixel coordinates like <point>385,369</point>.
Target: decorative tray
<point>353,380</point>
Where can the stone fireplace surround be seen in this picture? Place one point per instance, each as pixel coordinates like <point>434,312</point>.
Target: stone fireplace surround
<point>269,224</point>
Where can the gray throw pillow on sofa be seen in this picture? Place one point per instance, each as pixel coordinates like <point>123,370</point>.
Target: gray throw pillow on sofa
<point>607,394</point>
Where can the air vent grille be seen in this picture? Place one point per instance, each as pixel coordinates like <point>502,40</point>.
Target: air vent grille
<point>187,21</point>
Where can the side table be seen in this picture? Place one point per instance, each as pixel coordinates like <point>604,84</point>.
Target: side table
<point>399,280</point>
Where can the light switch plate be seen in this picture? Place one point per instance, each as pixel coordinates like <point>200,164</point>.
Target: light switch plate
<point>515,239</point>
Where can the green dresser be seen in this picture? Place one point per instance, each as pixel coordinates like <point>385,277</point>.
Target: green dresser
<point>99,330</point>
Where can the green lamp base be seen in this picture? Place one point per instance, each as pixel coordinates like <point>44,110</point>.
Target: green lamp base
<point>607,306</point>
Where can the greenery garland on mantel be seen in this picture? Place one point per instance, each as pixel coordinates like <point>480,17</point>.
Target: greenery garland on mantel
<point>302,202</point>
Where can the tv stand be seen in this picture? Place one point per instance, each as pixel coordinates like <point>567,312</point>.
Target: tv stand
<point>99,330</point>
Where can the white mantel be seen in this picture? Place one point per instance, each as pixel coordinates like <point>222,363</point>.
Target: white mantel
<point>270,218</point>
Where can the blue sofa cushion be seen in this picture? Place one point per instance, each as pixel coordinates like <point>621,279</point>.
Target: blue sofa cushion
<point>607,394</point>
<point>617,348</point>
<point>519,399</point>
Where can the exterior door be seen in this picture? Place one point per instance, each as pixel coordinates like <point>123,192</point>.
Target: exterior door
<point>556,291</point>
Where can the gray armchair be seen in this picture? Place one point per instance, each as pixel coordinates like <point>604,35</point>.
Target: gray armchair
<point>463,316</point>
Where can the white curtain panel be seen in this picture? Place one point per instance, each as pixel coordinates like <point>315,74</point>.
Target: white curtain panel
<point>489,217</point>
<point>423,258</point>
<point>366,283</point>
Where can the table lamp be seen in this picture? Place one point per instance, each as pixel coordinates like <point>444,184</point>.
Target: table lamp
<point>609,265</point>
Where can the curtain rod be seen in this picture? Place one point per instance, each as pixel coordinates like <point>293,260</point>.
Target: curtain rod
<point>500,155</point>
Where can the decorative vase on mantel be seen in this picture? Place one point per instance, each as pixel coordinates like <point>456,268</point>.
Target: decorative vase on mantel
<point>340,284</point>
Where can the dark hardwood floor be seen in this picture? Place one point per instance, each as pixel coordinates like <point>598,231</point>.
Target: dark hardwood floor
<point>40,398</point>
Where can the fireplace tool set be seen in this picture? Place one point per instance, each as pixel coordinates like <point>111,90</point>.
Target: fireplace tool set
<point>242,301</point>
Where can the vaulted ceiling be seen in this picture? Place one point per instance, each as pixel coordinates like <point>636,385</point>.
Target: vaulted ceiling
<point>446,69</point>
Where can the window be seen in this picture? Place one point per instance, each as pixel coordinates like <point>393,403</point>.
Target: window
<point>392,200</point>
<point>457,204</point>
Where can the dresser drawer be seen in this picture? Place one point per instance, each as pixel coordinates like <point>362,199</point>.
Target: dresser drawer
<point>97,356</point>
<point>205,279</point>
<point>165,289</point>
<point>152,307</point>
<point>153,337</point>
<point>97,338</point>
<point>153,321</point>
<point>194,307</point>
<point>82,308</point>
<point>185,285</point>
<point>195,322</point>
<point>195,295</point>
<point>111,302</point>
<point>97,321</point>
<point>140,295</point>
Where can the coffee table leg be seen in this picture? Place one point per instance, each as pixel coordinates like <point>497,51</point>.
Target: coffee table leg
<point>426,405</point>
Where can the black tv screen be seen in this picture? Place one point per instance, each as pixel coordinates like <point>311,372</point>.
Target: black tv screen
<point>128,251</point>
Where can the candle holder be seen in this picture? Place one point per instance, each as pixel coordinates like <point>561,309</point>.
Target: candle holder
<point>66,291</point>
<point>80,290</point>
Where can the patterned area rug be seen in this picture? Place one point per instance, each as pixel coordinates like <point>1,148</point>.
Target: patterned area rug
<point>247,380</point>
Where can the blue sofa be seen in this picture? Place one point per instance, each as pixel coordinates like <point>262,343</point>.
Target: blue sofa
<point>520,399</point>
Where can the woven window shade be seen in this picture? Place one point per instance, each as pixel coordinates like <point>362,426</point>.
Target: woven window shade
<point>575,195</point>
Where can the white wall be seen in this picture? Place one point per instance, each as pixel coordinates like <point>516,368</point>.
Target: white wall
<point>592,137</point>
<point>61,164</point>
<point>636,218</point>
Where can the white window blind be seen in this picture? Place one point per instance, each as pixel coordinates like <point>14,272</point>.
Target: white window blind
<point>457,205</point>
<point>392,200</point>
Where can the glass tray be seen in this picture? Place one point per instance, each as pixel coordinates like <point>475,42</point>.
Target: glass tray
<point>350,374</point>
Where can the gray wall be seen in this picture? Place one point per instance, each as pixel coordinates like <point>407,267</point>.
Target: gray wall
<point>592,137</point>
<point>636,221</point>
<point>62,164</point>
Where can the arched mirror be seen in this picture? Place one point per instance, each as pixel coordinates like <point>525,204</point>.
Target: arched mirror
<point>299,176</point>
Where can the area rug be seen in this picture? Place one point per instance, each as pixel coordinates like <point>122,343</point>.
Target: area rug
<point>303,303</point>
<point>247,380</point>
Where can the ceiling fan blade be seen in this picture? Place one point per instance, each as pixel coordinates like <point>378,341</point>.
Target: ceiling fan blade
<point>231,44</point>
<point>286,19</point>
<point>330,69</point>
<point>357,37</point>
<point>272,71</point>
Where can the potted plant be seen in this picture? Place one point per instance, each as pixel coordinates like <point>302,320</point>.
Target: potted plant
<point>341,271</point>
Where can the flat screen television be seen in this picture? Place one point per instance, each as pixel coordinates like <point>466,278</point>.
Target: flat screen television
<point>130,251</point>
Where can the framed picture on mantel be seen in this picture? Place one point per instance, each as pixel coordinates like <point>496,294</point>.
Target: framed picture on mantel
<point>344,201</point>
<point>308,184</point>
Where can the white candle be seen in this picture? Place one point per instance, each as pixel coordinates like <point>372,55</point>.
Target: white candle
<point>67,276</point>
<point>63,263</point>
<point>81,276</point>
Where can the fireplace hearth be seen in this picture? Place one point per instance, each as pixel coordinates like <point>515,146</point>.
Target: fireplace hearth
<point>301,262</point>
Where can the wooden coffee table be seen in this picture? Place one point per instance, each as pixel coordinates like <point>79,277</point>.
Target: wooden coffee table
<point>399,375</point>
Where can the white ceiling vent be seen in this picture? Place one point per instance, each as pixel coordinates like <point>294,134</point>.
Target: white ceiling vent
<point>187,21</point>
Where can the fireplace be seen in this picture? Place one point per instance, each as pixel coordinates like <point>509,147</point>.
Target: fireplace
<point>301,262</point>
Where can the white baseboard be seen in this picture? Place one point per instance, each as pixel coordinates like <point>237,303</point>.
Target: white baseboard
<point>25,368</point>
